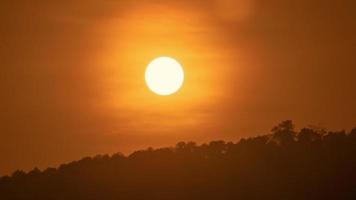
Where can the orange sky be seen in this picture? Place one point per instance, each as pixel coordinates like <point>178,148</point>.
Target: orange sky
<point>72,73</point>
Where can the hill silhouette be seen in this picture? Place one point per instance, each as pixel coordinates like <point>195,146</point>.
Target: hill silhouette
<point>284,164</point>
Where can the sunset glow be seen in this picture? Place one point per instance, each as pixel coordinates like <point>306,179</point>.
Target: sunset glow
<point>86,77</point>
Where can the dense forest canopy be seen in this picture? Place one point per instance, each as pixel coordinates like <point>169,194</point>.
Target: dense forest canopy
<point>286,164</point>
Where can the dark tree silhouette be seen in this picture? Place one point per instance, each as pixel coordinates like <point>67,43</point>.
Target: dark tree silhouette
<point>284,133</point>
<point>285,164</point>
<point>309,136</point>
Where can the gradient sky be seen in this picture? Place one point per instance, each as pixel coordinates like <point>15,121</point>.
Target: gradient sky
<point>72,73</point>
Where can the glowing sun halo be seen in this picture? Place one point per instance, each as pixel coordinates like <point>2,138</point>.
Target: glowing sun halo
<point>164,76</point>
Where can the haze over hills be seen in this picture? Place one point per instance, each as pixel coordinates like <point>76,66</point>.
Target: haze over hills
<point>285,164</point>
<point>82,80</point>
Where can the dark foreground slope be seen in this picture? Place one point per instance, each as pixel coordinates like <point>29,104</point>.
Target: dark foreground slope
<point>309,164</point>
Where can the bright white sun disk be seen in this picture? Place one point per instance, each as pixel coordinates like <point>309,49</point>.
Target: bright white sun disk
<point>164,76</point>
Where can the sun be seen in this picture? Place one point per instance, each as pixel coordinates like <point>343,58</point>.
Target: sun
<point>164,76</point>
